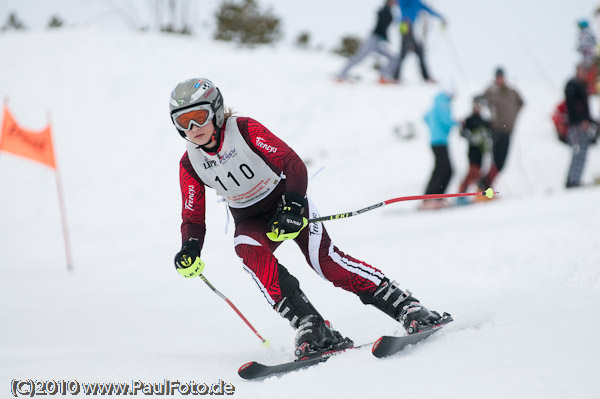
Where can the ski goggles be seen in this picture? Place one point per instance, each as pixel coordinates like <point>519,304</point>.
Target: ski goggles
<point>199,115</point>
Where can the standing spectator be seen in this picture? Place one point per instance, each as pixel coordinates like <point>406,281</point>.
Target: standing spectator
<point>504,103</point>
<point>410,10</point>
<point>586,46</point>
<point>477,131</point>
<point>580,122</point>
<point>377,42</point>
<point>440,122</point>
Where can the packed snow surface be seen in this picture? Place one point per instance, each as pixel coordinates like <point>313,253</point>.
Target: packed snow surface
<point>520,274</point>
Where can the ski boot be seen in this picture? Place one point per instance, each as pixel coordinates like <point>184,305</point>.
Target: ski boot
<point>316,335</point>
<point>402,306</point>
<point>416,318</point>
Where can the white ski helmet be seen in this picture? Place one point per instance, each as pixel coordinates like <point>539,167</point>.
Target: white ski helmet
<point>194,92</point>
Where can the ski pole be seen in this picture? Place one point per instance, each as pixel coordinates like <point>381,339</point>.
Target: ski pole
<point>488,193</point>
<point>265,342</point>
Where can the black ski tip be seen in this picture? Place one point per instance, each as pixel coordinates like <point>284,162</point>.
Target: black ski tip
<point>376,345</point>
<point>389,345</point>
<point>244,372</point>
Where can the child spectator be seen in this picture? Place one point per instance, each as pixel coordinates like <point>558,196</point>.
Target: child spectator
<point>477,131</point>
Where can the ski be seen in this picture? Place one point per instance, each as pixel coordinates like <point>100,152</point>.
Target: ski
<point>389,345</point>
<point>254,370</point>
<point>384,346</point>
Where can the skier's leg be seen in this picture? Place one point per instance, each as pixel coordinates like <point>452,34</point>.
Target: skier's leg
<point>282,290</point>
<point>579,144</point>
<point>386,71</point>
<point>472,176</point>
<point>436,182</point>
<point>402,306</point>
<point>446,168</point>
<point>421,54</point>
<point>314,334</point>
<point>500,145</point>
<point>397,68</point>
<point>360,278</point>
<point>474,173</point>
<point>333,265</point>
<point>255,251</point>
<point>364,50</point>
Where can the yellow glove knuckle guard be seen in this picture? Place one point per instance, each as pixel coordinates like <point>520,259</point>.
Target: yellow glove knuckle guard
<point>276,237</point>
<point>194,270</point>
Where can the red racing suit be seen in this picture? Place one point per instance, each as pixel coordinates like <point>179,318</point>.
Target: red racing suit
<point>251,169</point>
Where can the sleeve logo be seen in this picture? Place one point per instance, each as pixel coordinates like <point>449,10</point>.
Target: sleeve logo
<point>260,143</point>
<point>189,202</point>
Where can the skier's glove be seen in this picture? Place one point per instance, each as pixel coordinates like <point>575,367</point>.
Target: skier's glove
<point>288,220</point>
<point>187,260</point>
<point>404,28</point>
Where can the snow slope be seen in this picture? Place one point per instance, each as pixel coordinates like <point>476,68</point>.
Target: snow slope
<point>520,275</point>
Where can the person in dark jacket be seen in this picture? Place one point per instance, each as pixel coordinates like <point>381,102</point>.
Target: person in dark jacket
<point>264,183</point>
<point>581,125</point>
<point>377,42</point>
<point>477,131</point>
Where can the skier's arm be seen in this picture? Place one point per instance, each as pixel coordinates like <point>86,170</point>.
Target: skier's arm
<point>445,115</point>
<point>193,203</point>
<point>520,101</point>
<point>432,12</point>
<point>193,228</point>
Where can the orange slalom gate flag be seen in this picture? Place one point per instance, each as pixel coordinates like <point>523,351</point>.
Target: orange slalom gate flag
<point>36,146</point>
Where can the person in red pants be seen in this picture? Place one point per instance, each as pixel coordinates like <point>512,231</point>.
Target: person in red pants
<point>264,184</point>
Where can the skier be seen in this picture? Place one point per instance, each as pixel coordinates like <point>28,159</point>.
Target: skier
<point>376,42</point>
<point>264,184</point>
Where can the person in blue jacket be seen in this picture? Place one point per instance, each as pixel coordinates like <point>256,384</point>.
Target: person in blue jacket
<point>410,10</point>
<point>440,122</point>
